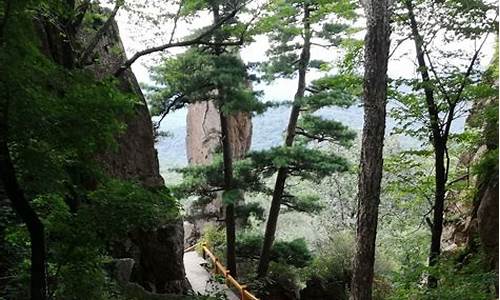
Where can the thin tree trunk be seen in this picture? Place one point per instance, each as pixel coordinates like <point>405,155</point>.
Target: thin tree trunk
<point>227,154</point>
<point>38,282</point>
<point>439,145</point>
<point>279,185</point>
<point>437,221</point>
<point>228,186</point>
<point>38,278</point>
<point>371,162</point>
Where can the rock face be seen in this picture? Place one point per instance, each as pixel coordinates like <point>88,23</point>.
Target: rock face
<point>136,157</point>
<point>158,254</point>
<point>159,268</point>
<point>478,220</point>
<point>487,218</point>
<point>203,133</point>
<point>202,140</point>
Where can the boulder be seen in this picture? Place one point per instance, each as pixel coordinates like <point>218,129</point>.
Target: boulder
<point>159,262</point>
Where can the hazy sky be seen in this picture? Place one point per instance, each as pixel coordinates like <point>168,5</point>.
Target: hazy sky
<point>138,34</point>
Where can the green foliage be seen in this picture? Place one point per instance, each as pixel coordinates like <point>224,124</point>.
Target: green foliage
<point>293,253</point>
<point>283,23</point>
<point>464,280</point>
<point>248,246</point>
<point>197,76</point>
<point>341,90</point>
<point>488,165</point>
<point>244,211</point>
<point>316,128</point>
<point>303,202</point>
<point>250,174</point>
<point>453,73</point>
<point>231,196</point>
<point>80,243</point>
<point>60,120</point>
<point>302,161</point>
<point>215,239</point>
<point>333,261</point>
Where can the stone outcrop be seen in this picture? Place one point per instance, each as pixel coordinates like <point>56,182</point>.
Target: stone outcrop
<point>203,133</point>
<point>158,254</point>
<point>202,141</point>
<point>477,220</point>
<point>136,157</point>
<point>159,265</point>
<point>487,220</point>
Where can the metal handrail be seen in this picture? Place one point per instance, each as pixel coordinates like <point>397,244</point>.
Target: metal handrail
<point>219,268</point>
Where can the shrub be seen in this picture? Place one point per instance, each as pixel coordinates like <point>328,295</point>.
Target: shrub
<point>79,241</point>
<point>457,280</point>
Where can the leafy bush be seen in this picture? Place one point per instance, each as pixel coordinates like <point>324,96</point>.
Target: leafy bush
<point>215,239</point>
<point>294,253</point>
<point>457,280</point>
<point>79,242</point>
<point>248,246</point>
<point>333,260</point>
<point>244,211</point>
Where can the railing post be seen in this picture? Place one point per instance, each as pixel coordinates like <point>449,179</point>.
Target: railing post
<point>216,270</point>
<point>243,296</point>
<point>242,289</point>
<point>203,254</point>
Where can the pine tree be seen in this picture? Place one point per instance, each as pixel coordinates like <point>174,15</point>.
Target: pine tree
<point>293,30</point>
<point>371,162</point>
<point>213,72</point>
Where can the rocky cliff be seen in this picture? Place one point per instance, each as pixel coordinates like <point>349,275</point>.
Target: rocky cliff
<point>202,141</point>
<point>203,133</point>
<point>157,254</point>
<point>476,222</point>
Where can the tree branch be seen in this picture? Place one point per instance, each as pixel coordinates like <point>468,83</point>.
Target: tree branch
<point>463,84</point>
<point>99,34</point>
<point>176,19</point>
<point>398,44</point>
<point>438,79</point>
<point>172,105</point>
<point>193,41</point>
<point>81,11</point>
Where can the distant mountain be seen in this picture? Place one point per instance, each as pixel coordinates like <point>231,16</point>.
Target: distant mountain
<point>268,130</point>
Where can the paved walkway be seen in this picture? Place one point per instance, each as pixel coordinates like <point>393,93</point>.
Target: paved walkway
<point>200,279</point>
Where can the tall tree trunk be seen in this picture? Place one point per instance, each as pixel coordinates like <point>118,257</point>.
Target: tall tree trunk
<point>228,165</point>
<point>38,283</point>
<point>279,185</point>
<point>38,280</point>
<point>371,162</point>
<point>439,145</point>
<point>228,186</point>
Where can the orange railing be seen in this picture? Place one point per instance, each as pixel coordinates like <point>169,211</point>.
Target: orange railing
<point>219,268</point>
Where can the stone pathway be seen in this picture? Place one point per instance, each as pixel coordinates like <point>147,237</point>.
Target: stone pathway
<point>200,279</point>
